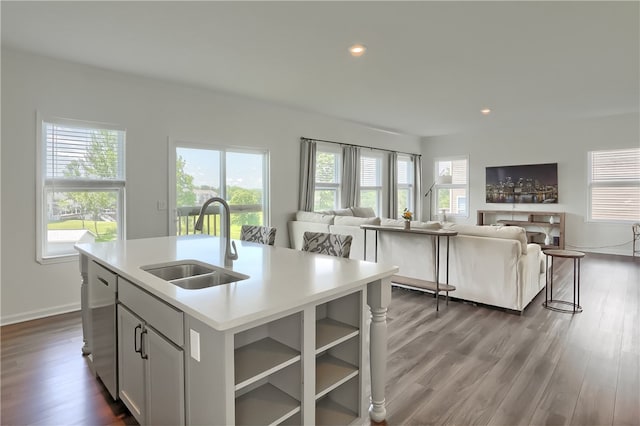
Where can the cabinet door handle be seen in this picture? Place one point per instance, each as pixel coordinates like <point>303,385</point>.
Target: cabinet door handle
<point>103,281</point>
<point>143,353</point>
<point>135,339</point>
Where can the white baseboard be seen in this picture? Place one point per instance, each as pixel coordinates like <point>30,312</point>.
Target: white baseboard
<point>40,313</point>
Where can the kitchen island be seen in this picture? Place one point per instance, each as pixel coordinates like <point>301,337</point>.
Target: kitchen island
<point>285,345</point>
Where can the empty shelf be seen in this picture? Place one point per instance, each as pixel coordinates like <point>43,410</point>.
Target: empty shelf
<point>329,412</point>
<point>332,372</point>
<point>266,405</point>
<point>260,359</point>
<point>330,332</point>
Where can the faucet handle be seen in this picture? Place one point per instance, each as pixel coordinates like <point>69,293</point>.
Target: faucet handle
<point>234,253</point>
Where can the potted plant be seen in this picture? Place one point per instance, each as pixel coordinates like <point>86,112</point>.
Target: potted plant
<point>407,216</point>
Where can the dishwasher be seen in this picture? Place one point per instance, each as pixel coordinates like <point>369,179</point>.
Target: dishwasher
<point>102,301</point>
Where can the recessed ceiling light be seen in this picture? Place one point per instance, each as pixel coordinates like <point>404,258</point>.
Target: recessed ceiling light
<point>357,50</point>
<point>485,111</point>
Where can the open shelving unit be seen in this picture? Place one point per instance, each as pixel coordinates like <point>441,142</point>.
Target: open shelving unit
<point>538,224</point>
<point>271,362</point>
<point>338,360</point>
<point>268,372</point>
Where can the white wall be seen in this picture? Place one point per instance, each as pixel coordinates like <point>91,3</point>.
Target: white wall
<point>152,111</point>
<point>566,143</point>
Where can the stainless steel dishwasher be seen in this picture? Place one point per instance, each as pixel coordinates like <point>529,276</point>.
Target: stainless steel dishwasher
<point>102,301</point>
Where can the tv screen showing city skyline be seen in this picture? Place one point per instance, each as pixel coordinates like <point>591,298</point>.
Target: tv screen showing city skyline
<point>530,183</point>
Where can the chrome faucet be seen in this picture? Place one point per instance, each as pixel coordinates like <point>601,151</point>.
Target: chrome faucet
<point>229,255</point>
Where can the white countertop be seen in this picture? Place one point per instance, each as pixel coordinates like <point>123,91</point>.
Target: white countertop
<point>280,280</point>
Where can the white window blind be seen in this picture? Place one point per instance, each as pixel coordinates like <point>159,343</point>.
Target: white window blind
<point>82,153</point>
<point>614,185</point>
<point>370,171</point>
<point>371,182</point>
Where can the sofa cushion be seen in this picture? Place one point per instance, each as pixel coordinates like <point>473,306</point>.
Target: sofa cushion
<point>339,212</point>
<point>355,221</point>
<point>505,232</point>
<point>303,216</point>
<point>363,212</point>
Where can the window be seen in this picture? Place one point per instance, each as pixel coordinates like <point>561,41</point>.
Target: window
<point>405,184</point>
<point>328,177</point>
<point>199,171</point>
<point>452,186</point>
<point>614,185</point>
<point>81,184</point>
<point>371,182</point>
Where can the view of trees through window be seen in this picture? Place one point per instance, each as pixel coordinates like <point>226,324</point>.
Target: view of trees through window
<point>198,176</point>
<point>82,186</point>
<point>327,191</point>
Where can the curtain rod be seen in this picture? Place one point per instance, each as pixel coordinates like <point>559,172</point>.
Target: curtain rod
<point>302,138</point>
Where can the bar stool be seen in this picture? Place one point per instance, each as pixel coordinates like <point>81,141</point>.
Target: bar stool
<point>549,301</point>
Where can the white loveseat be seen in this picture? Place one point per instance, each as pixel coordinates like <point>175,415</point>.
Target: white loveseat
<point>492,265</point>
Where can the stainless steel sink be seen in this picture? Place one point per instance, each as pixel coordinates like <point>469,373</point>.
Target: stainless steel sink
<point>175,271</point>
<point>192,275</point>
<point>208,280</point>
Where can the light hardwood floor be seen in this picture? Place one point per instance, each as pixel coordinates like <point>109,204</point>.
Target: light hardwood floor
<point>465,365</point>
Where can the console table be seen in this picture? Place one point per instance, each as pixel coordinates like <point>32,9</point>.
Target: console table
<point>435,234</point>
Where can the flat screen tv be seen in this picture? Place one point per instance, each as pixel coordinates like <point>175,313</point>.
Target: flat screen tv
<point>530,183</point>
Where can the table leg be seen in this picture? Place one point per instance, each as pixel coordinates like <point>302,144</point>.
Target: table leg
<point>546,279</point>
<point>578,282</point>
<point>437,272</point>
<point>551,280</point>
<point>447,282</point>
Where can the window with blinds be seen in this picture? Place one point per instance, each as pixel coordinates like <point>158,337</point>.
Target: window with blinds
<point>405,184</point>
<point>81,185</point>
<point>451,187</point>
<point>614,185</point>
<point>328,177</point>
<point>371,182</point>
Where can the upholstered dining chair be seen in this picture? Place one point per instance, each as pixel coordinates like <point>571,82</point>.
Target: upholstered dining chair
<point>258,234</point>
<point>323,243</point>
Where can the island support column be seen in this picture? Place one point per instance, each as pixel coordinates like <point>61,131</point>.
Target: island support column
<point>378,298</point>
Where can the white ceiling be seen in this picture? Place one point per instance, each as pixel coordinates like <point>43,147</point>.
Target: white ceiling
<point>429,68</point>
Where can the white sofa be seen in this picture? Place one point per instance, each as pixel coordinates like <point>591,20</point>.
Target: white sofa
<point>345,222</point>
<point>492,265</point>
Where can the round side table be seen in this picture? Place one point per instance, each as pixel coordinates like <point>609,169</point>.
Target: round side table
<point>549,301</point>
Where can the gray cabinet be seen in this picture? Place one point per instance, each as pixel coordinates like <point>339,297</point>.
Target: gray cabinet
<point>150,365</point>
<point>130,363</point>
<point>102,303</point>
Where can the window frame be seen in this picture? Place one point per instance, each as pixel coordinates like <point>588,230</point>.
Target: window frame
<point>435,211</point>
<point>174,144</point>
<point>326,186</point>
<point>45,185</point>
<point>409,187</point>
<point>622,183</point>
<point>380,188</point>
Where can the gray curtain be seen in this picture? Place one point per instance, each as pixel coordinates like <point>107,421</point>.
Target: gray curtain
<point>417,189</point>
<point>392,201</point>
<point>307,174</point>
<point>350,176</point>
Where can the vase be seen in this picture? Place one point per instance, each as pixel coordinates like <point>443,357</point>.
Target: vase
<point>407,225</point>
